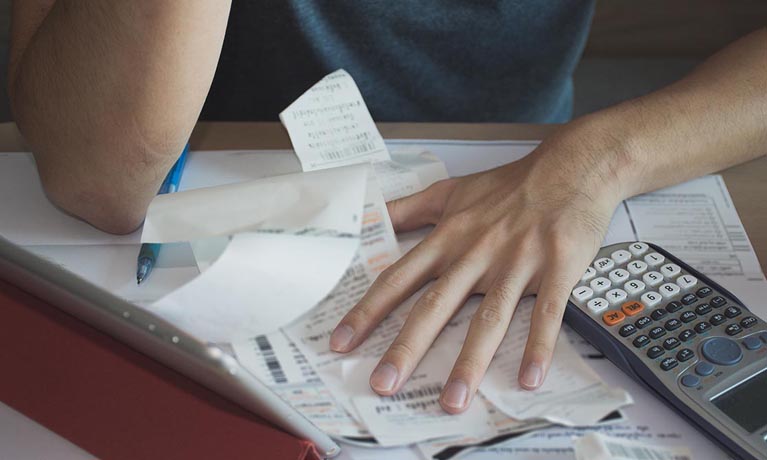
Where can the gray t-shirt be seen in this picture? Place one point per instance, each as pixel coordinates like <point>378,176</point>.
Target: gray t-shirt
<point>418,60</point>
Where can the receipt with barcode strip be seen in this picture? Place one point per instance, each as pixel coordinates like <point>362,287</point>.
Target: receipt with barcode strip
<point>330,125</point>
<point>597,446</point>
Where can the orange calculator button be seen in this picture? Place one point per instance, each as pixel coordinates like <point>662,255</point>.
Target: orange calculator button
<point>632,308</point>
<point>613,317</point>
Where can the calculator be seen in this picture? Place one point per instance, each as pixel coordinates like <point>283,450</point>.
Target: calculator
<point>682,336</point>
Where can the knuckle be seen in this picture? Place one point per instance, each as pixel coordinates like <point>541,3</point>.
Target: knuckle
<point>431,300</point>
<point>540,347</point>
<point>401,351</point>
<point>491,315</point>
<point>360,314</point>
<point>394,277</point>
<point>471,366</point>
<point>551,311</point>
<point>505,291</point>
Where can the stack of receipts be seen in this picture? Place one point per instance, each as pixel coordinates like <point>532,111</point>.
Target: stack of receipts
<point>283,258</point>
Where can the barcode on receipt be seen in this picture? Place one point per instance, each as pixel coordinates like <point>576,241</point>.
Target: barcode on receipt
<point>416,393</point>
<point>270,359</point>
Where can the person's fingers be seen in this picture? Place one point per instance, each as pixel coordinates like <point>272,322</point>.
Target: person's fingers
<point>392,287</point>
<point>424,323</point>
<point>549,308</point>
<point>422,208</point>
<point>486,331</point>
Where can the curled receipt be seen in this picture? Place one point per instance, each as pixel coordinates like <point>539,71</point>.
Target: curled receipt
<point>287,241</point>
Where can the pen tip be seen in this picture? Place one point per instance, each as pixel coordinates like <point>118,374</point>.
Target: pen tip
<point>139,279</point>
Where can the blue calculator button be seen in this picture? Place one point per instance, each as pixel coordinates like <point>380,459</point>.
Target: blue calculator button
<point>720,350</point>
<point>703,368</point>
<point>752,343</point>
<point>763,336</point>
<point>691,380</point>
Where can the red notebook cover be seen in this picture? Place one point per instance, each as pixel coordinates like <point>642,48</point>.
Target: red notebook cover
<point>115,402</point>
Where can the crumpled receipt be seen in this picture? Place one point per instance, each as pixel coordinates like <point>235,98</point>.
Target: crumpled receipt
<point>271,249</point>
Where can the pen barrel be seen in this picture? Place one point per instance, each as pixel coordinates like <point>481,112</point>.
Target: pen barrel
<point>149,251</point>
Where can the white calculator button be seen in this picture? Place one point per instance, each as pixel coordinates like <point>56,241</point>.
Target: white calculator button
<point>634,287</point>
<point>650,299</point>
<point>600,284</point>
<point>670,270</point>
<point>652,278</point>
<point>590,273</point>
<point>635,267</point>
<point>686,281</point>
<point>618,275</point>
<point>604,264</point>
<point>638,248</point>
<point>669,290</point>
<point>620,256</point>
<point>616,296</point>
<point>597,304</point>
<point>582,293</point>
<point>654,259</point>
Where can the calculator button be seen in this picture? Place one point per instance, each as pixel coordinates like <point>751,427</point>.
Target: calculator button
<point>600,284</point>
<point>673,324</point>
<point>671,343</point>
<point>752,343</point>
<point>616,296</point>
<point>690,380</point>
<point>689,299</point>
<point>582,293</point>
<point>626,330</point>
<point>634,287</point>
<point>655,351</point>
<point>650,299</point>
<point>613,317</point>
<point>604,264</point>
<point>632,308</point>
<point>763,336</point>
<point>652,278</point>
<point>720,350</point>
<point>705,291</point>
<point>668,363</point>
<point>688,316</point>
<point>641,341</point>
<point>643,322</point>
<point>635,267</point>
<point>685,354</point>
<point>670,270</point>
<point>658,314</point>
<point>703,309</point>
<point>686,335</point>
<point>620,256</point>
<point>686,281</point>
<point>718,301</point>
<point>654,259</point>
<point>590,273</point>
<point>747,322</point>
<point>597,304</point>
<point>669,290</point>
<point>638,248</point>
<point>717,319</point>
<point>703,368</point>
<point>731,312</point>
<point>674,307</point>
<point>657,332</point>
<point>733,329</point>
<point>618,275</point>
<point>702,327</point>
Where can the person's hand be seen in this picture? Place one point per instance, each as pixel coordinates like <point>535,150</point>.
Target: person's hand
<point>528,227</point>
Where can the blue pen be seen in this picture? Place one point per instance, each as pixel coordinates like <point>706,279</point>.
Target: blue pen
<point>149,252</point>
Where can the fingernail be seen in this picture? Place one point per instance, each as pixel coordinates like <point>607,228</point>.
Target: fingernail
<point>341,338</point>
<point>455,394</point>
<point>532,376</point>
<point>384,377</point>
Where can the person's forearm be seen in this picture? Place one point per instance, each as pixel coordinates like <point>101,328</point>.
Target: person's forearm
<point>107,92</point>
<point>712,119</point>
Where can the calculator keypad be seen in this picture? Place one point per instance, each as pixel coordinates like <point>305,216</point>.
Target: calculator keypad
<point>661,311</point>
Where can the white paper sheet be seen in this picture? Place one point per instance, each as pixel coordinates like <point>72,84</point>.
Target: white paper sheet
<point>330,126</point>
<point>597,446</point>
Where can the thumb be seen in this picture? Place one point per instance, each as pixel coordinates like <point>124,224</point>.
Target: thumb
<point>422,208</point>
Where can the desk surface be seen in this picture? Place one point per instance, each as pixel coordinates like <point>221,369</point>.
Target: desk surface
<point>747,182</point>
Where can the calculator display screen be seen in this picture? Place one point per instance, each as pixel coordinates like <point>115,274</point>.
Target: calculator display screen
<point>746,404</point>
